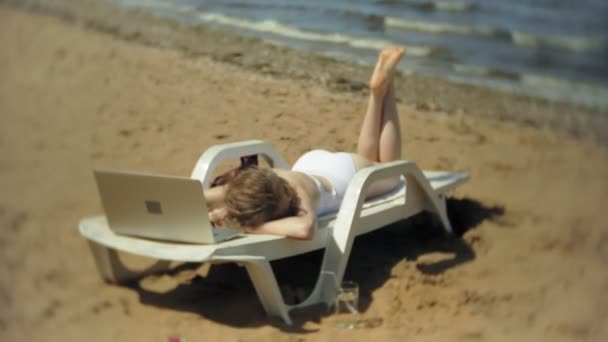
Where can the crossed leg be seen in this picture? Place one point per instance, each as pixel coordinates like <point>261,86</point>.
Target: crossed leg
<point>380,135</point>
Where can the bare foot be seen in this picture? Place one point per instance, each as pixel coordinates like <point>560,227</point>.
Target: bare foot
<point>385,69</point>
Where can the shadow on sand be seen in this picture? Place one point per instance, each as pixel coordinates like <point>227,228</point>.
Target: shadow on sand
<point>225,294</point>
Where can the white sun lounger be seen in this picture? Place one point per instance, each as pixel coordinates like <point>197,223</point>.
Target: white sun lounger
<point>335,233</point>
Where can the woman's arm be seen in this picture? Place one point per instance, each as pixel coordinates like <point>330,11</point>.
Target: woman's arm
<point>301,227</point>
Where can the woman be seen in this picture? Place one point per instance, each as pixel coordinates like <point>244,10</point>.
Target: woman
<point>287,202</point>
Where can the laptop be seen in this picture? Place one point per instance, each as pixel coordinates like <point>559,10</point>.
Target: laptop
<point>157,207</point>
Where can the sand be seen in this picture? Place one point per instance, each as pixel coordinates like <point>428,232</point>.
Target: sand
<point>528,262</point>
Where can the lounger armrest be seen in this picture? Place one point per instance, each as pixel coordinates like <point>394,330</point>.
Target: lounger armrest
<point>367,176</point>
<point>419,195</point>
<point>211,158</point>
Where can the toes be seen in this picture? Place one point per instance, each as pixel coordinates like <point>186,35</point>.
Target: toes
<point>383,72</point>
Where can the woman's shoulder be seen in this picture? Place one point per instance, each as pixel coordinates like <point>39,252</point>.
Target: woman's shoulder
<point>290,175</point>
<point>298,180</point>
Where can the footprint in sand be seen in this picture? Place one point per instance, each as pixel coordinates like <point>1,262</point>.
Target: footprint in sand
<point>125,133</point>
<point>221,136</point>
<point>101,306</point>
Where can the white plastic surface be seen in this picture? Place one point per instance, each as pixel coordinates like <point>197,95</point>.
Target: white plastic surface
<point>335,233</point>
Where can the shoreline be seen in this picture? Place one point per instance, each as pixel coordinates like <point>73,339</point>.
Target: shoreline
<point>423,92</point>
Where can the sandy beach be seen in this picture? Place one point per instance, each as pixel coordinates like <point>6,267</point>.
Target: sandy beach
<point>528,262</point>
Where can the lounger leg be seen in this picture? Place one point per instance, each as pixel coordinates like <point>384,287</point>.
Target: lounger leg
<point>442,214</point>
<point>337,253</point>
<point>266,286</point>
<point>112,270</point>
<point>324,291</point>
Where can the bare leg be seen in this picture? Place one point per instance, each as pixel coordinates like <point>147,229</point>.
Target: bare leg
<point>380,136</point>
<point>369,135</point>
<point>390,135</point>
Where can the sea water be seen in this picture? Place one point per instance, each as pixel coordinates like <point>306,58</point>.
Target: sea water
<point>554,49</point>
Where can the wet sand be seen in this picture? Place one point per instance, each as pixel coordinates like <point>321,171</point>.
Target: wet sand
<point>528,262</point>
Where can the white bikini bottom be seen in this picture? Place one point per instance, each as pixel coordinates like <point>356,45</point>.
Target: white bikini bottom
<point>337,167</point>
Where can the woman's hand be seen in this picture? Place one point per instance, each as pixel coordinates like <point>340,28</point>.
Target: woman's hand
<point>216,216</point>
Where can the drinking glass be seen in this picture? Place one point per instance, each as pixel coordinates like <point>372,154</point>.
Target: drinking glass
<point>347,304</point>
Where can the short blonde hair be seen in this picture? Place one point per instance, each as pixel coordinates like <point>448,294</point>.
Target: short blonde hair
<point>254,197</point>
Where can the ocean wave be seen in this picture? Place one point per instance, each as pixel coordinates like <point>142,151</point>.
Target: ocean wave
<point>435,27</point>
<point>453,6</point>
<point>262,5</point>
<point>159,4</point>
<point>589,94</point>
<point>484,71</point>
<point>280,29</point>
<point>438,5</point>
<point>524,39</point>
<point>575,43</point>
<point>550,82</point>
